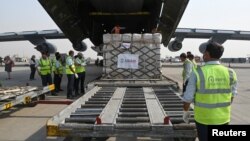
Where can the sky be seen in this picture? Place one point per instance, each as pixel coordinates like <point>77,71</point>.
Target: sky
<point>27,15</point>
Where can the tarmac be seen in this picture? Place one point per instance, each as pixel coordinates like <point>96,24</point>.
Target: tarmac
<point>29,123</point>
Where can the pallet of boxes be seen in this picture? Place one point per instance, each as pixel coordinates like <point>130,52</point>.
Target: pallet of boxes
<point>132,56</point>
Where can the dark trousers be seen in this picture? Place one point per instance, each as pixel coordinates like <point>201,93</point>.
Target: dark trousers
<point>70,85</point>
<point>202,130</point>
<point>185,86</point>
<point>46,80</point>
<point>57,81</point>
<point>33,71</point>
<point>80,81</point>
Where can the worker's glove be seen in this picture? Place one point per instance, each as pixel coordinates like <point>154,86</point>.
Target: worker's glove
<point>76,75</point>
<point>83,64</point>
<point>186,116</point>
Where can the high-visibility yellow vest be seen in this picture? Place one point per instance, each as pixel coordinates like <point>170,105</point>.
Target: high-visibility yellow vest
<point>53,62</point>
<point>212,104</point>
<point>194,64</point>
<point>187,61</point>
<point>60,69</point>
<point>68,70</point>
<point>45,66</point>
<point>79,65</point>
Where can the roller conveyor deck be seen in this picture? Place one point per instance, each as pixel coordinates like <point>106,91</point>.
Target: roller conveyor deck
<point>124,111</point>
<point>12,96</point>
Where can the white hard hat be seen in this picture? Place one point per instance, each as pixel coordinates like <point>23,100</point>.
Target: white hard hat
<point>203,47</point>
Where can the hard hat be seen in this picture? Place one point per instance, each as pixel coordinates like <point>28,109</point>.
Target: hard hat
<point>203,47</point>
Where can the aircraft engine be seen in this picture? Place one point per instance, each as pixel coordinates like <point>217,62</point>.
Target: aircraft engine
<point>46,47</point>
<point>174,46</point>
<point>80,46</point>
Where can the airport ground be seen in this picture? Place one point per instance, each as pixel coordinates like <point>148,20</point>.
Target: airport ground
<point>29,123</point>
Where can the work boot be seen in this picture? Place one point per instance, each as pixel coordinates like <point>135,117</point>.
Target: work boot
<point>42,97</point>
<point>54,94</point>
<point>82,91</point>
<point>70,97</point>
<point>76,94</point>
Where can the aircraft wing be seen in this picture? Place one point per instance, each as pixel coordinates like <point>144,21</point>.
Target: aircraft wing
<point>37,38</point>
<point>32,36</point>
<point>180,32</point>
<point>211,33</point>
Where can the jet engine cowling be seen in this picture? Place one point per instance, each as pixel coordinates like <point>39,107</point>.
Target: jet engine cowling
<point>174,46</point>
<point>80,46</point>
<point>46,47</point>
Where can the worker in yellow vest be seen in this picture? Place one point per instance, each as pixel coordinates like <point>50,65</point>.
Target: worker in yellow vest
<point>80,70</point>
<point>45,70</point>
<point>71,74</point>
<point>187,69</point>
<point>191,58</point>
<point>212,88</point>
<point>58,73</point>
<point>53,62</point>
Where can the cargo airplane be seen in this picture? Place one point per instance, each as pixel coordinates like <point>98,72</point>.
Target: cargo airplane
<point>81,19</point>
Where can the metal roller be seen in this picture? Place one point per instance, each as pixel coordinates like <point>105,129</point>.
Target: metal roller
<point>93,105</point>
<point>84,114</point>
<point>133,110</point>
<point>133,114</point>
<point>88,110</point>
<point>169,108</point>
<point>80,120</point>
<point>171,102</point>
<point>172,105</point>
<point>132,120</point>
<point>134,102</point>
<point>133,99</point>
<point>99,99</point>
<point>96,102</point>
<point>133,106</point>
